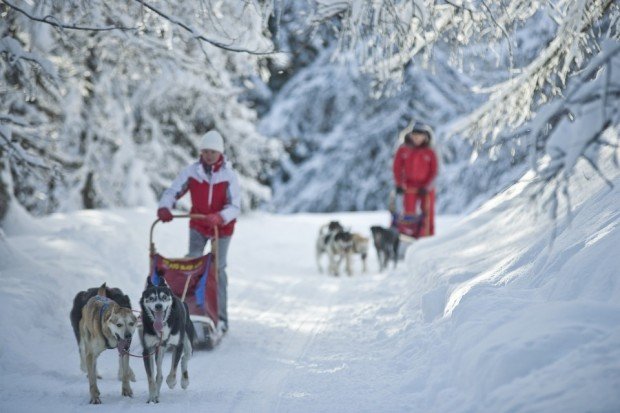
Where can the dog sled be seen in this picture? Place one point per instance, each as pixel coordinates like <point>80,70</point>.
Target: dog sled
<point>410,227</point>
<point>194,281</point>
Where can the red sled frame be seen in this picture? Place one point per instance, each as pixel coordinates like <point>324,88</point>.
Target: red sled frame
<point>195,281</point>
<point>410,226</point>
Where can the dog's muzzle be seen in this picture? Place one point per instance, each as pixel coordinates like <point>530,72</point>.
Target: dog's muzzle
<point>123,344</point>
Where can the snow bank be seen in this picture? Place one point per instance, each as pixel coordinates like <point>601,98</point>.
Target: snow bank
<point>525,320</point>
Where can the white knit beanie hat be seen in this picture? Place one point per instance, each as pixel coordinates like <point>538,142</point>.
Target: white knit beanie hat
<point>212,140</point>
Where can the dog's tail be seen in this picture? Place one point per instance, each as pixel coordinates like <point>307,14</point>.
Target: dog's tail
<point>76,313</point>
<point>101,290</point>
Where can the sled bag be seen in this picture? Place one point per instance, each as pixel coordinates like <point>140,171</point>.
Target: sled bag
<point>410,225</point>
<point>201,295</point>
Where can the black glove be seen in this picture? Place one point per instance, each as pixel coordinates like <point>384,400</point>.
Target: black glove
<point>422,191</point>
<point>399,190</point>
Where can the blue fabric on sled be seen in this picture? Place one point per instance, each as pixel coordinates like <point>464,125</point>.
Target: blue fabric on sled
<point>202,285</point>
<point>155,280</point>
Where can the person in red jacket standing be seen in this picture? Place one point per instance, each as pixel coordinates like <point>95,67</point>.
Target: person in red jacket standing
<point>415,169</point>
<point>214,190</point>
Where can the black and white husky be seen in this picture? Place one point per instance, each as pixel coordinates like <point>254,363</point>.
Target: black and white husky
<point>165,324</point>
<point>326,236</point>
<point>338,244</point>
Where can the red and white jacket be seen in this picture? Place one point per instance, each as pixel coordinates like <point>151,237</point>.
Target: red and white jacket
<point>216,191</point>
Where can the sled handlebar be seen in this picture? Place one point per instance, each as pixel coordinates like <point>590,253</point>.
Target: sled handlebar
<point>190,216</point>
<point>214,245</point>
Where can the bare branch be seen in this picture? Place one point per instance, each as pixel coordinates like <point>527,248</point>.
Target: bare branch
<point>188,29</point>
<point>14,150</point>
<point>598,170</point>
<point>503,30</point>
<point>53,21</point>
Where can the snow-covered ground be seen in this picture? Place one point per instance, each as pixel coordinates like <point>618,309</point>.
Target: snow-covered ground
<point>488,316</point>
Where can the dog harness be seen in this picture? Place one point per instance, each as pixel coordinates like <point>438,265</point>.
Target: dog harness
<point>105,304</point>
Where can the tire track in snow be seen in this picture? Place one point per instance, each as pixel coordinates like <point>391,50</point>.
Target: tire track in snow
<point>263,391</point>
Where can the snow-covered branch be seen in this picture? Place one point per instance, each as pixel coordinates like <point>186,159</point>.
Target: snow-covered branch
<point>200,36</point>
<point>511,102</point>
<point>54,21</point>
<point>577,127</point>
<point>385,36</point>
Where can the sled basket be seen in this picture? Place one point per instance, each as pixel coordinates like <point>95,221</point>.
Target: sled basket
<point>410,225</point>
<point>195,282</point>
<point>193,279</point>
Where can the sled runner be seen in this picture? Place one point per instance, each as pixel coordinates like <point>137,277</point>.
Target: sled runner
<point>194,281</point>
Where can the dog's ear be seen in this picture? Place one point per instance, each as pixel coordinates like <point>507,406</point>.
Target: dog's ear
<point>156,278</point>
<point>101,290</point>
<point>162,281</point>
<point>161,276</point>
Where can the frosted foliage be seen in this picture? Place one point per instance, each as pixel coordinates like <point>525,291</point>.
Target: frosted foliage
<point>340,140</point>
<point>105,104</point>
<point>580,125</point>
<point>482,73</point>
<point>385,35</point>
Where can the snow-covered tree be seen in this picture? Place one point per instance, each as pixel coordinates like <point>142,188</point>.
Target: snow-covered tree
<point>386,35</point>
<point>101,103</point>
<point>478,71</point>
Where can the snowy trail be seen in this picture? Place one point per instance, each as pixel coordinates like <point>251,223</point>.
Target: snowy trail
<point>483,317</point>
<point>284,315</point>
<point>290,317</point>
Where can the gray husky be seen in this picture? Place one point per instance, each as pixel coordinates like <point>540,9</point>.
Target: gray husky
<point>105,325</point>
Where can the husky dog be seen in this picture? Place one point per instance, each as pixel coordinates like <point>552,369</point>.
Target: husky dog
<point>105,325</point>
<point>326,233</point>
<point>386,242</point>
<point>360,246</point>
<point>165,324</point>
<point>340,247</point>
<point>80,301</point>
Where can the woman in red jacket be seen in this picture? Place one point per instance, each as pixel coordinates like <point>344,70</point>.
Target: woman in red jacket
<point>214,189</point>
<point>415,169</point>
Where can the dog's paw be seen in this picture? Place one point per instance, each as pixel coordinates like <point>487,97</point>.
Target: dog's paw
<point>171,381</point>
<point>185,380</point>
<point>153,399</point>
<point>95,400</point>
<point>127,392</point>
